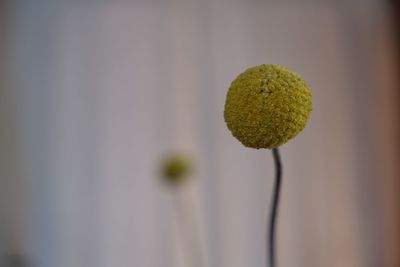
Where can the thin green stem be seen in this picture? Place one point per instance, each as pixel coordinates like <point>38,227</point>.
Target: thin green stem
<point>189,231</point>
<point>274,208</point>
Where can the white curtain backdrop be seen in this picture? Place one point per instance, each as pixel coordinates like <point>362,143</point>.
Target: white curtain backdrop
<point>103,89</point>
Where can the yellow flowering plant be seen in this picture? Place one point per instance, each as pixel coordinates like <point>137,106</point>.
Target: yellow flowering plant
<point>265,107</point>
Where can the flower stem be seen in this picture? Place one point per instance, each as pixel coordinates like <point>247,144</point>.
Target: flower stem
<point>274,208</point>
<point>189,230</point>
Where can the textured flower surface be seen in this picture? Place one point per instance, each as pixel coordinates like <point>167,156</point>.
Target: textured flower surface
<point>267,105</point>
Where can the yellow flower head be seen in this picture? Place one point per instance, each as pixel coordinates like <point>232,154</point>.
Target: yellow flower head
<point>175,169</point>
<point>267,105</point>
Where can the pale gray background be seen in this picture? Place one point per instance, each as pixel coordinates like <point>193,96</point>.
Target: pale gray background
<point>98,91</point>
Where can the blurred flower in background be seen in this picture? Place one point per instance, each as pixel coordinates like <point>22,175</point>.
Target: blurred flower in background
<point>175,169</point>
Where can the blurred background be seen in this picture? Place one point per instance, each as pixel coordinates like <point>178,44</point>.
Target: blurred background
<point>93,94</point>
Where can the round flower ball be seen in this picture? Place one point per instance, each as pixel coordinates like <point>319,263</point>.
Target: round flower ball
<point>267,105</point>
<point>175,169</point>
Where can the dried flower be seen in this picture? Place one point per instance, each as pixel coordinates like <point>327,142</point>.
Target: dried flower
<point>175,169</point>
<point>267,105</point>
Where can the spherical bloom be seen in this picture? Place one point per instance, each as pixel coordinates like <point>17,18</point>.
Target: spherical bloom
<point>267,105</point>
<point>175,169</point>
